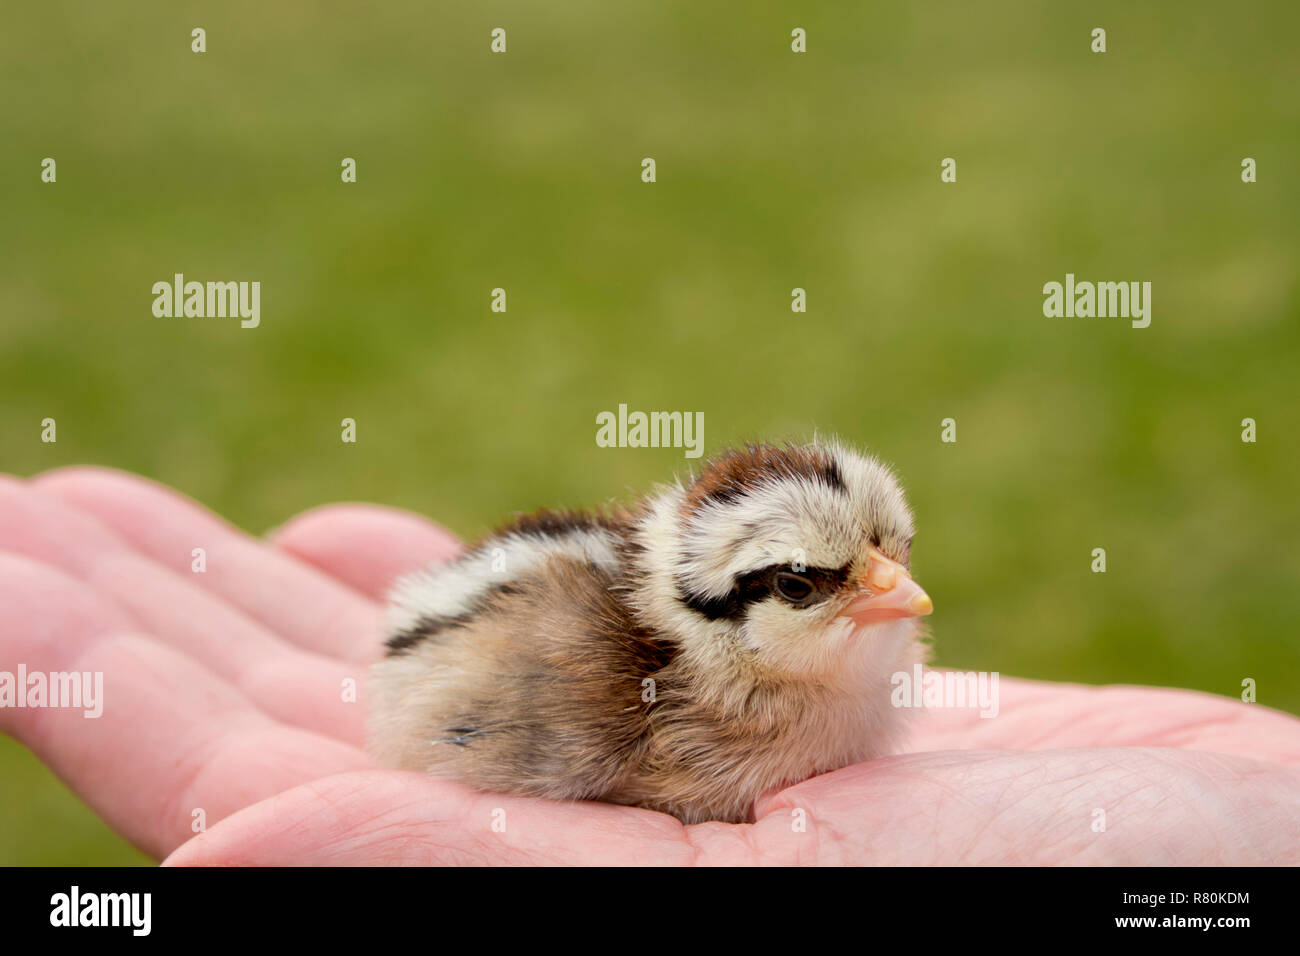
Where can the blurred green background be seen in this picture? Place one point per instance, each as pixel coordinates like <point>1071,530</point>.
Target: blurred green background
<point>775,171</point>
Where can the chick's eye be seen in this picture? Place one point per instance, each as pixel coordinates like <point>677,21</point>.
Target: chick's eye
<point>794,588</point>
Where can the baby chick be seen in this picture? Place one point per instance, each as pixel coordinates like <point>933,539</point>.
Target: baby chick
<point>715,642</point>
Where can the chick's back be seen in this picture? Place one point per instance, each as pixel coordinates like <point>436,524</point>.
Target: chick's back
<point>532,683</point>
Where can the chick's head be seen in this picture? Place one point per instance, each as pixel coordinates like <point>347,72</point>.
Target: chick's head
<point>796,559</point>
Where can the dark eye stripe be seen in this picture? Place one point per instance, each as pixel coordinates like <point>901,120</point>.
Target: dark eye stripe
<point>755,586</point>
<point>727,607</point>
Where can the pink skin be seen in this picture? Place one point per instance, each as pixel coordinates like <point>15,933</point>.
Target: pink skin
<point>223,693</point>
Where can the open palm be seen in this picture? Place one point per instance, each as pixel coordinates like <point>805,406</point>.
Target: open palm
<point>228,708</point>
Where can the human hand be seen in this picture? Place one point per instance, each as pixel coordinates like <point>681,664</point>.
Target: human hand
<point>225,694</point>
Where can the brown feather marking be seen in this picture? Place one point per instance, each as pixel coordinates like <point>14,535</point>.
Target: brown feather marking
<point>741,471</point>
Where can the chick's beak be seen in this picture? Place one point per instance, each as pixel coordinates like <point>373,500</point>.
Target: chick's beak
<point>888,593</point>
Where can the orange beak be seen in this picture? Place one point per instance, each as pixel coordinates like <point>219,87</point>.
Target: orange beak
<point>888,593</point>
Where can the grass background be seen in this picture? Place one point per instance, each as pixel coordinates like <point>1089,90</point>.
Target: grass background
<point>775,170</point>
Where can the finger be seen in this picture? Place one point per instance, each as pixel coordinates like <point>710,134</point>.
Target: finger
<point>366,547</point>
<point>171,745</point>
<point>288,683</point>
<point>998,722</point>
<point>390,818</point>
<point>1041,715</point>
<point>294,600</point>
